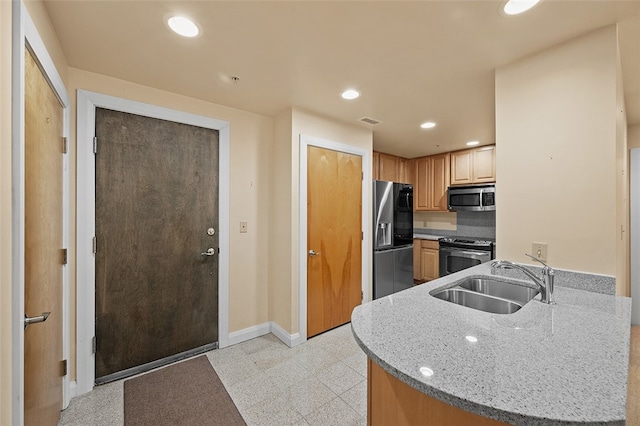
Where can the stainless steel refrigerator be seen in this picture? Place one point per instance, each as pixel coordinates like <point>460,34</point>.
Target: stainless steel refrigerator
<point>393,237</point>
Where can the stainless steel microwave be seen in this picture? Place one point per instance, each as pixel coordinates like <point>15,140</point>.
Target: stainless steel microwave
<point>475,198</point>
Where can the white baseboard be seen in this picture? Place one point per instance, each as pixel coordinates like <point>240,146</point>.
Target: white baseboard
<point>73,389</point>
<point>290,340</point>
<point>249,333</point>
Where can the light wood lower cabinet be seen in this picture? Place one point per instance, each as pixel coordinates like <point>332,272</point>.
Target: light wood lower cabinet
<point>392,402</point>
<point>426,260</point>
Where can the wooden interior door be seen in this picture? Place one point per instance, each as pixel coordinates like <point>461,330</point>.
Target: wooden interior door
<point>156,213</point>
<point>43,368</point>
<point>334,234</point>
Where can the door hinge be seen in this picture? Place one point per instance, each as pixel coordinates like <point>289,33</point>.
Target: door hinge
<point>94,344</point>
<point>65,258</point>
<point>361,175</point>
<point>94,245</point>
<point>65,145</point>
<point>361,296</point>
<point>95,145</point>
<point>362,235</point>
<point>64,367</point>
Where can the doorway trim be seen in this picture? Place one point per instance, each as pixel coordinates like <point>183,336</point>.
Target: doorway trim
<point>87,102</point>
<point>25,36</point>
<point>305,142</point>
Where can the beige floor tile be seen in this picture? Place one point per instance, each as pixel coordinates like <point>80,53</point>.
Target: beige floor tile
<point>335,413</point>
<point>270,383</point>
<point>273,411</point>
<point>314,358</point>
<point>339,377</point>
<point>357,362</point>
<point>309,395</point>
<point>356,397</point>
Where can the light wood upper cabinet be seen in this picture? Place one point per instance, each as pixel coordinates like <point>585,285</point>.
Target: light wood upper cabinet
<point>484,164</point>
<point>476,165</point>
<point>431,183</point>
<point>392,168</point>
<point>389,167</point>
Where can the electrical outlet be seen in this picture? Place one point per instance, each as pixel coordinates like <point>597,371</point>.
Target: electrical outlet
<point>539,251</point>
<point>243,226</point>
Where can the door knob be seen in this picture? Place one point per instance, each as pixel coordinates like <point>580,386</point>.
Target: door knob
<point>210,252</point>
<point>33,320</point>
<point>313,253</point>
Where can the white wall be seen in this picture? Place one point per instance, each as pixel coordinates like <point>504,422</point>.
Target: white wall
<point>556,162</point>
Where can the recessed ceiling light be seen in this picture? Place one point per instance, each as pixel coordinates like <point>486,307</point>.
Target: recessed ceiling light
<point>472,143</point>
<point>515,7</point>
<point>350,94</point>
<point>183,26</point>
<point>428,125</point>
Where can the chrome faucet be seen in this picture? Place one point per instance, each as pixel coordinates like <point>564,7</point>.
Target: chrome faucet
<point>545,282</point>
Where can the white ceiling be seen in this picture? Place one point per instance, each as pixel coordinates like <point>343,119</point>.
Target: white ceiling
<point>411,61</point>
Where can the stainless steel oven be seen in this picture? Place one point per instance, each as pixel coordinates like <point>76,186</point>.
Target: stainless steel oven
<point>457,254</point>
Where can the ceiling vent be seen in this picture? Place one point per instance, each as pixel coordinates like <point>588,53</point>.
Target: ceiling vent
<point>370,120</point>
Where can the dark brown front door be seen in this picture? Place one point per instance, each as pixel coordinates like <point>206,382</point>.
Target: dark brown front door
<point>156,213</point>
<point>334,238</point>
<point>43,249</point>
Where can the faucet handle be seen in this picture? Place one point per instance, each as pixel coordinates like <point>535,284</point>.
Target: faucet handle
<point>548,268</point>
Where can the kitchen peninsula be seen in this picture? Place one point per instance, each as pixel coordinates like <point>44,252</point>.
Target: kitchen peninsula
<point>542,365</point>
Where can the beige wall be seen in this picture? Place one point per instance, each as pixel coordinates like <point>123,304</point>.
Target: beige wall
<point>281,274</point>
<point>556,162</point>
<point>251,141</point>
<point>5,213</point>
<point>289,125</point>
<point>633,136</point>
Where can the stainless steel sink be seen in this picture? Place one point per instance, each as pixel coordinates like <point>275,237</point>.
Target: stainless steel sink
<point>504,290</point>
<point>488,295</point>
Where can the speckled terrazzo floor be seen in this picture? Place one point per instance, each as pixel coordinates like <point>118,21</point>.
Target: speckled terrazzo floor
<point>321,382</point>
<point>318,394</point>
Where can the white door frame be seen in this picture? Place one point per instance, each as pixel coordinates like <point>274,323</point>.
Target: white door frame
<point>24,33</point>
<point>305,142</point>
<point>87,103</point>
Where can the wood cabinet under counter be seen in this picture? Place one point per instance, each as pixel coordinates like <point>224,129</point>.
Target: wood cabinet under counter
<point>426,260</point>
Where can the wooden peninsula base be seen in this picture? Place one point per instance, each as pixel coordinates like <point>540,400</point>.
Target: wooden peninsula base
<point>391,402</point>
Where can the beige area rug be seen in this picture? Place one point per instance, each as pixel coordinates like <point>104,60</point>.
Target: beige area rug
<point>186,393</point>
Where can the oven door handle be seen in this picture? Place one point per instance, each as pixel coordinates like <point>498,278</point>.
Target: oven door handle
<point>465,251</point>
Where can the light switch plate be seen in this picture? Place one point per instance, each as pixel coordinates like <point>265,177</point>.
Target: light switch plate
<point>243,226</point>
<point>539,251</point>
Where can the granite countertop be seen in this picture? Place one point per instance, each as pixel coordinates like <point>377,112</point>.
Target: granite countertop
<point>542,365</point>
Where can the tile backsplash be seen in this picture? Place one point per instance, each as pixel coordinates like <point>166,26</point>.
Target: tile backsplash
<point>467,224</point>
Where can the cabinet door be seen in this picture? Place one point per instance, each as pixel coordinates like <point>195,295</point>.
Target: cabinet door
<point>376,165</point>
<point>484,164</point>
<point>439,182</point>
<point>404,170</point>
<point>389,167</point>
<point>429,264</point>
<point>462,167</point>
<point>421,184</point>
